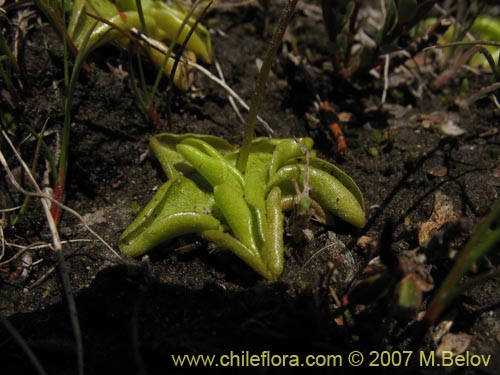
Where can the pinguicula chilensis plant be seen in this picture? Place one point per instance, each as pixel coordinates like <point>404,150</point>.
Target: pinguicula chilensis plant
<point>234,198</point>
<point>243,212</point>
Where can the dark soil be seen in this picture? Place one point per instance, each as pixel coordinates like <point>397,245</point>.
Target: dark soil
<point>134,315</point>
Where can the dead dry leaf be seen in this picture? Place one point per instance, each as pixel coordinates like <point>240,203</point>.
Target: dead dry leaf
<point>451,129</point>
<point>439,171</point>
<point>457,343</point>
<point>442,213</point>
<point>442,329</point>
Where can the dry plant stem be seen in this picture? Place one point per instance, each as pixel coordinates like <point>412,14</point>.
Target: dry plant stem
<point>58,249</point>
<point>18,254</point>
<point>467,43</point>
<point>230,98</point>
<point>2,252</point>
<point>495,101</point>
<point>311,258</point>
<point>43,245</point>
<point>54,201</point>
<point>386,79</point>
<point>260,85</point>
<point>42,278</point>
<point>482,92</point>
<point>24,345</point>
<point>445,76</point>
<point>207,73</point>
<point>231,93</point>
<point>10,209</point>
<point>45,202</point>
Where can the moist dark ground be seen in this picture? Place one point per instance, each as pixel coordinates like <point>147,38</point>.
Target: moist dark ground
<point>134,315</point>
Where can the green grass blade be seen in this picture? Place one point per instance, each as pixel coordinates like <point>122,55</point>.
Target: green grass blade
<point>482,240</point>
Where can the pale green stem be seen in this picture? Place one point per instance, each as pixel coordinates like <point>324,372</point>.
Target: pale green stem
<point>260,84</point>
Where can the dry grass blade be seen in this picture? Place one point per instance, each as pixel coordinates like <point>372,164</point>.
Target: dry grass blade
<point>230,98</point>
<point>2,238</point>
<point>45,202</point>
<point>18,254</point>
<point>153,43</point>
<point>231,92</point>
<point>45,198</point>
<point>65,280</point>
<point>63,272</point>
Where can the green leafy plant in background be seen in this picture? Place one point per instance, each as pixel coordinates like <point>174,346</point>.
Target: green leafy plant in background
<point>155,18</point>
<point>113,21</point>
<point>341,22</point>
<point>480,49</point>
<point>483,240</point>
<point>206,194</point>
<point>482,28</point>
<point>401,17</point>
<point>93,23</point>
<point>407,26</point>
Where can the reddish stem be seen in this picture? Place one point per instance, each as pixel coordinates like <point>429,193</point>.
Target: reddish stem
<point>59,195</point>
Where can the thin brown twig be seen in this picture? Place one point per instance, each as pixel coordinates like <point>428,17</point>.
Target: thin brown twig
<point>478,95</point>
<point>230,98</point>
<point>44,245</point>
<point>461,61</point>
<point>42,278</point>
<point>465,43</point>
<point>32,246</point>
<point>19,253</point>
<point>2,251</point>
<point>10,209</point>
<point>324,248</point>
